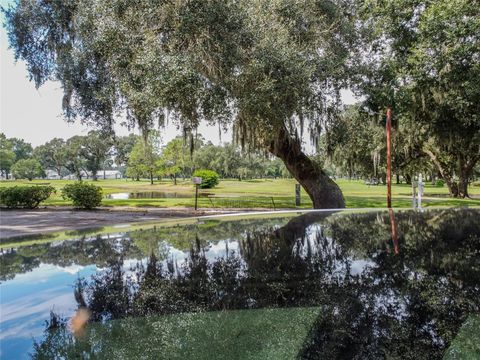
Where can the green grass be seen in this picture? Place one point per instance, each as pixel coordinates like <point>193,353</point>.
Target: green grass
<point>257,194</point>
<point>466,344</point>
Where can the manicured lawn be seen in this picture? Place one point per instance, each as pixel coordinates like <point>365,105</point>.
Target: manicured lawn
<point>466,344</point>
<point>257,194</point>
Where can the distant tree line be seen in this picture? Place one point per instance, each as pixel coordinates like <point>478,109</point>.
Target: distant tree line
<point>178,159</point>
<point>354,147</point>
<point>134,156</point>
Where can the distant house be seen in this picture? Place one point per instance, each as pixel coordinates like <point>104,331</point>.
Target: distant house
<point>107,174</point>
<point>110,174</point>
<point>51,175</point>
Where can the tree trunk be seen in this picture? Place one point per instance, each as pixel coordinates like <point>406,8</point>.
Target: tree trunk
<point>463,186</point>
<point>444,173</point>
<point>466,170</point>
<point>323,191</point>
<point>151,177</point>
<point>408,179</point>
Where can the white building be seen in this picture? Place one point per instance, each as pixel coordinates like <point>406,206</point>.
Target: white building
<point>107,174</point>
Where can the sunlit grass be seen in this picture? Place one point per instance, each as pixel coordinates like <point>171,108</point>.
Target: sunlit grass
<point>256,194</point>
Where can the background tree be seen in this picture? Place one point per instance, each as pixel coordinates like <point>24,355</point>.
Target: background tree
<point>143,158</point>
<point>52,155</point>
<point>27,169</point>
<point>75,163</point>
<point>173,159</point>
<point>22,149</point>
<point>122,148</point>
<point>95,149</point>
<point>7,156</point>
<point>210,157</point>
<point>428,53</point>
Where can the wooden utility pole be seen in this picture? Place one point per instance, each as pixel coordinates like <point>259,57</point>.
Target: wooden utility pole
<point>389,157</point>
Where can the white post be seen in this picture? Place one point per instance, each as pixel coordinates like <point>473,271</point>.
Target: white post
<point>421,187</point>
<point>414,194</point>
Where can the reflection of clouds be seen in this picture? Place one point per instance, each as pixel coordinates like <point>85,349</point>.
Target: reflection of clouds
<point>25,329</point>
<point>213,252</point>
<point>358,266</point>
<point>24,314</point>
<point>43,273</point>
<point>219,250</point>
<point>72,269</point>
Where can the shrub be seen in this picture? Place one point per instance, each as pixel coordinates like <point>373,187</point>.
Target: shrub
<point>209,178</point>
<point>83,195</point>
<point>440,183</point>
<point>25,196</point>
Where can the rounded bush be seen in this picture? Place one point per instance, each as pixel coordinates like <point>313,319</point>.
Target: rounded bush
<point>440,183</point>
<point>25,196</point>
<point>209,178</point>
<point>83,195</point>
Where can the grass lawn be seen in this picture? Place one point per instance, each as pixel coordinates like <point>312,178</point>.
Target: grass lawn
<point>466,344</point>
<point>256,194</point>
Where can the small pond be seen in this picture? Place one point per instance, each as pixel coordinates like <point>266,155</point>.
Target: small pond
<point>155,195</point>
<point>344,285</point>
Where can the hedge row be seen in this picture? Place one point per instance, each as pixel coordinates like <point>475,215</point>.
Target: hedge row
<point>28,197</point>
<point>82,195</point>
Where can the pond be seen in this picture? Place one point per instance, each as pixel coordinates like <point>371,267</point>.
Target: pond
<point>344,285</point>
<point>154,195</point>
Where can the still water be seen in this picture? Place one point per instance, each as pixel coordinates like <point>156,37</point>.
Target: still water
<point>318,285</point>
<point>155,195</point>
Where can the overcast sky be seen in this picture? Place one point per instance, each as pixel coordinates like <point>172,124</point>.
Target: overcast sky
<point>36,115</point>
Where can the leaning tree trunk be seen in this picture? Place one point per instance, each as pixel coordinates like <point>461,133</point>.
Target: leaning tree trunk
<point>444,173</point>
<point>323,191</point>
<point>465,171</point>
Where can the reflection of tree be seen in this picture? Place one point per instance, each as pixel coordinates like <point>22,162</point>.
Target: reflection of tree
<point>408,305</point>
<point>17,262</point>
<point>98,250</point>
<point>101,250</point>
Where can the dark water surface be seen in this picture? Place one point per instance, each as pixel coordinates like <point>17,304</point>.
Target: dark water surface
<point>370,285</point>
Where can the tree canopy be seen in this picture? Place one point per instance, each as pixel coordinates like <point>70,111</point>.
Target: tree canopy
<point>424,61</point>
<point>265,68</point>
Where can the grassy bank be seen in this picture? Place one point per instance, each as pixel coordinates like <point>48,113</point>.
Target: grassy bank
<point>261,193</point>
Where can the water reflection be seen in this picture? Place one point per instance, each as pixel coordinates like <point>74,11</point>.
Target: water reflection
<point>155,195</point>
<point>348,285</point>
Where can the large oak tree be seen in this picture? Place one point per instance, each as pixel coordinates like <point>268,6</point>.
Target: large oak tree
<point>267,68</point>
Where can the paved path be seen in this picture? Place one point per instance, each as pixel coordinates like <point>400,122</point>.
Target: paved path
<point>29,222</point>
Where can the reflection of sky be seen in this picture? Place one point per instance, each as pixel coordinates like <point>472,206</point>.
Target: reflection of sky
<point>28,298</point>
<point>26,302</point>
<point>212,251</point>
